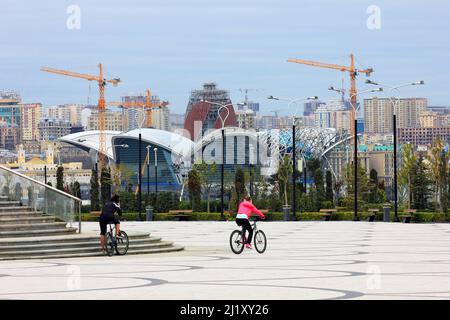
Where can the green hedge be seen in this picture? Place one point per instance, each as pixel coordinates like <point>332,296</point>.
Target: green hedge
<point>278,216</point>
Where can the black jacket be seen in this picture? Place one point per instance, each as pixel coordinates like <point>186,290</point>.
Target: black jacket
<point>110,208</point>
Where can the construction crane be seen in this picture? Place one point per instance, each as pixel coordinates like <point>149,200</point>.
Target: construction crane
<point>350,69</point>
<point>149,105</point>
<point>101,101</point>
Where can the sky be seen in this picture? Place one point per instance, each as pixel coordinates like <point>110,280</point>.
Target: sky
<point>173,46</point>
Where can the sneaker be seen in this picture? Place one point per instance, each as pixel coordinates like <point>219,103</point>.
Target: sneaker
<point>248,246</point>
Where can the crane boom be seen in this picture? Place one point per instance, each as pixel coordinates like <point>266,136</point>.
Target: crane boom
<point>101,101</point>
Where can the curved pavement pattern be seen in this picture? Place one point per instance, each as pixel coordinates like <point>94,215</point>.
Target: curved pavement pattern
<point>304,260</point>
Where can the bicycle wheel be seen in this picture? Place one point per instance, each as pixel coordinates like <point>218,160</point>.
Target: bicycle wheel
<point>236,243</point>
<point>260,241</point>
<point>109,244</point>
<point>122,243</point>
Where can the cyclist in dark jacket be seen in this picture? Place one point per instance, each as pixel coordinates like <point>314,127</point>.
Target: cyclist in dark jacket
<point>107,216</point>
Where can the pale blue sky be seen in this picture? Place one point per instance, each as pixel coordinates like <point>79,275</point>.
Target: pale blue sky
<point>173,46</point>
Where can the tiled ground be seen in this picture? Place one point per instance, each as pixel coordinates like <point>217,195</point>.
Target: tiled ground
<point>304,260</point>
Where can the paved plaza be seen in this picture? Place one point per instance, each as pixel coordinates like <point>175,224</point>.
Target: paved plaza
<point>304,260</point>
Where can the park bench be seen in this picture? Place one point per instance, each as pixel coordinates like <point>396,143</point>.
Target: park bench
<point>95,214</point>
<point>180,215</point>
<point>371,214</point>
<point>327,213</point>
<point>408,215</point>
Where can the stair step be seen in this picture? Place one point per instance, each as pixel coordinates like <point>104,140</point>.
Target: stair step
<point>26,220</point>
<point>94,254</point>
<point>70,244</point>
<point>92,248</point>
<point>9,203</point>
<point>30,227</point>
<point>15,208</point>
<point>37,233</point>
<point>78,238</point>
<point>20,214</point>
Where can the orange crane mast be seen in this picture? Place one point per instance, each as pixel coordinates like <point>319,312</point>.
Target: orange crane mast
<point>101,101</point>
<point>352,70</point>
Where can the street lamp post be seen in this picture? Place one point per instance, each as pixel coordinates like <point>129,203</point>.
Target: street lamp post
<point>148,169</point>
<point>222,167</point>
<point>394,104</point>
<point>294,151</point>
<point>355,150</point>
<point>156,172</point>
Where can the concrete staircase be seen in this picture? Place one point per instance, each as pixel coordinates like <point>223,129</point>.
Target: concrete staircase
<point>28,234</point>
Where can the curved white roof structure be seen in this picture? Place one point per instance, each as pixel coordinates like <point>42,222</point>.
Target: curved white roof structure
<point>90,140</point>
<point>174,142</point>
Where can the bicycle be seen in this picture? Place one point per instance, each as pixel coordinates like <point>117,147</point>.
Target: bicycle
<point>238,240</point>
<point>120,245</point>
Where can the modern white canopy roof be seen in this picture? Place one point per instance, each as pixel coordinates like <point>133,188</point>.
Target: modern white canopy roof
<point>90,140</point>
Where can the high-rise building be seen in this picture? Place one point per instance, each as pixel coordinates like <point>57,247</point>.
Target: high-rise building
<point>114,120</point>
<point>51,129</point>
<point>429,119</point>
<point>378,113</point>
<point>10,107</point>
<point>9,136</point>
<point>66,112</point>
<point>202,116</point>
<point>30,118</point>
<point>161,118</point>
<point>310,107</point>
<point>423,136</point>
<point>245,119</point>
<point>132,113</point>
<point>249,105</point>
<point>176,121</point>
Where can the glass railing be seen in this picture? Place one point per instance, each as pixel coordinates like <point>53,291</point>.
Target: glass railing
<point>40,197</point>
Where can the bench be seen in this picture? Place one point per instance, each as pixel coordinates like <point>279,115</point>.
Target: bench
<point>95,214</point>
<point>327,213</point>
<point>371,214</point>
<point>180,215</point>
<point>409,214</point>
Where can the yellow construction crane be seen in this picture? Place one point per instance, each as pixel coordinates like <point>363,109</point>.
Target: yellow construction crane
<point>350,69</point>
<point>101,101</point>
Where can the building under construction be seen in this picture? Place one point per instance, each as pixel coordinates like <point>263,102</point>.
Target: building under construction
<point>199,110</point>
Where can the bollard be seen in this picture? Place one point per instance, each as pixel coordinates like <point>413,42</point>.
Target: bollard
<point>149,213</point>
<point>286,212</point>
<point>386,213</point>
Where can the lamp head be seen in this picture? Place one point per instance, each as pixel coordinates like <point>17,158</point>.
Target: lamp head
<point>368,81</point>
<point>313,98</point>
<point>418,83</point>
<point>377,90</point>
<point>272,98</point>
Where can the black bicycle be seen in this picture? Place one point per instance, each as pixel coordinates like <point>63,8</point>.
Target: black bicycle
<point>238,240</point>
<point>119,244</point>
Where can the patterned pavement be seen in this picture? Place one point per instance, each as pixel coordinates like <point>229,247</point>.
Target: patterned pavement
<point>304,260</point>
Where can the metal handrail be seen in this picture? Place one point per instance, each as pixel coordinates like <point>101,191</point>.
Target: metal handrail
<point>51,188</point>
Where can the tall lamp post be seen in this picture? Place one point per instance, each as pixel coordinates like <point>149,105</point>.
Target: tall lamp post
<point>222,167</point>
<point>156,171</point>
<point>294,162</point>
<point>355,150</point>
<point>148,168</point>
<point>394,103</point>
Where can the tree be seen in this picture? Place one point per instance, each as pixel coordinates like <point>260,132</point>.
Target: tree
<point>421,185</point>
<point>76,189</point>
<point>105,183</point>
<point>319,188</point>
<point>438,159</point>
<point>95,192</point>
<point>206,172</point>
<point>60,178</point>
<point>329,187</point>
<point>373,186</point>
<point>195,189</point>
<point>283,174</point>
<point>239,184</point>
<point>407,171</point>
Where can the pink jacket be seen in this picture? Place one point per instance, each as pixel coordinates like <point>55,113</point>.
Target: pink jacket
<point>246,207</point>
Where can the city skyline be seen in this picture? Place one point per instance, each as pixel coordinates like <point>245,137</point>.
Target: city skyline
<point>147,49</point>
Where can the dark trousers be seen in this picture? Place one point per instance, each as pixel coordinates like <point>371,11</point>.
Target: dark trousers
<point>247,226</point>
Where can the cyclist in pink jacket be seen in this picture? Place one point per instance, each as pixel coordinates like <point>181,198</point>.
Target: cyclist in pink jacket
<point>246,208</point>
